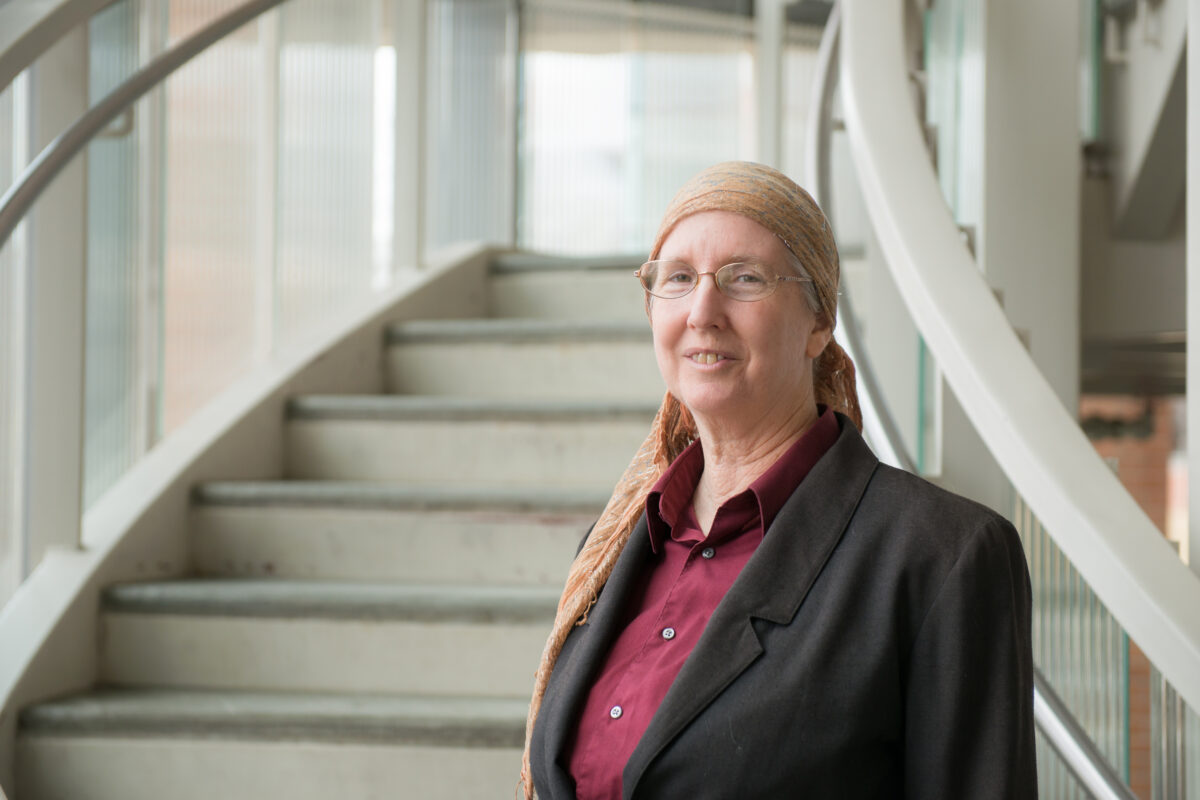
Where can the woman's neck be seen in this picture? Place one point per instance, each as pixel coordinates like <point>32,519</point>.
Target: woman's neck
<point>735,459</point>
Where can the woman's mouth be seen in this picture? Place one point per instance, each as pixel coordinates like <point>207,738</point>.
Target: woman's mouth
<point>706,358</point>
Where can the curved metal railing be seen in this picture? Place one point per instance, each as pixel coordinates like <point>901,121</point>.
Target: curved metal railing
<point>17,201</point>
<point>1062,731</point>
<point>878,423</point>
<point>1050,463</point>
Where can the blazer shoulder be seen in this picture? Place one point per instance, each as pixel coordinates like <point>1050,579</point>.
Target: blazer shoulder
<point>933,525</point>
<point>912,496</point>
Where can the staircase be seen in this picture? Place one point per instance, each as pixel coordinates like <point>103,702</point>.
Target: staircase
<point>369,626</point>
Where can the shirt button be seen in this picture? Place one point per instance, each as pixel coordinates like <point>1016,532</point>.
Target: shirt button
<point>615,712</point>
<point>708,552</point>
<point>668,633</point>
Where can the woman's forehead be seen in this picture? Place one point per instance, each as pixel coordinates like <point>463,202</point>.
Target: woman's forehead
<point>721,235</point>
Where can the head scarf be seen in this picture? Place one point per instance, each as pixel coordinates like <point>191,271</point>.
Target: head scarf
<point>771,199</point>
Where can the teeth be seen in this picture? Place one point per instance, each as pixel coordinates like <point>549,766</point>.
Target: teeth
<point>707,358</point>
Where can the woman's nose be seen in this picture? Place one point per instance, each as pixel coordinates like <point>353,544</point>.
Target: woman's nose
<point>708,302</point>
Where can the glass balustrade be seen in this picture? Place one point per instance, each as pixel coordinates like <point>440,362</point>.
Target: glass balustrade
<point>1081,650</point>
<point>1055,779</point>
<point>231,213</point>
<point>471,122</point>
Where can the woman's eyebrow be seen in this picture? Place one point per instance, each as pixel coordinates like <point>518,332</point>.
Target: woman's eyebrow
<point>736,258</point>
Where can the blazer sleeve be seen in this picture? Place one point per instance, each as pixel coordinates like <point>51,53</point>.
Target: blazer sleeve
<point>969,693</point>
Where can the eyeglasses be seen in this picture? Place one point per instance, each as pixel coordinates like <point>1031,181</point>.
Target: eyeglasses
<point>745,281</point>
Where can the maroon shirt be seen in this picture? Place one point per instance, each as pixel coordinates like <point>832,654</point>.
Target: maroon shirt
<point>670,605</point>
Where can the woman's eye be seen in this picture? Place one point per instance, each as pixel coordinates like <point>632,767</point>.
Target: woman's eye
<point>680,277</point>
<point>748,276</point>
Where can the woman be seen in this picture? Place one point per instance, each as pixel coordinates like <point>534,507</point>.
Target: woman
<point>763,610</point>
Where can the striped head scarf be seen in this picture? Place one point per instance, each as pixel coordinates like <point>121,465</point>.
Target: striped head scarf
<point>774,201</point>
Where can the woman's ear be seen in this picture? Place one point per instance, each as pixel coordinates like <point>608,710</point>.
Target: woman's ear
<point>820,337</point>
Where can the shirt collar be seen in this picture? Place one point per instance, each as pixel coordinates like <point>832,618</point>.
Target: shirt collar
<point>672,494</point>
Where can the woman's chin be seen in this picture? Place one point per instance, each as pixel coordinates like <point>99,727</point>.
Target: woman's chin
<point>716,406</point>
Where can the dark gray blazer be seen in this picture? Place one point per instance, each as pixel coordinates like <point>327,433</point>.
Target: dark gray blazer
<point>877,644</point>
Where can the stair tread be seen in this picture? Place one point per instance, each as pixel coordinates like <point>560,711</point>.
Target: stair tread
<point>358,600</point>
<point>508,331</point>
<point>478,721</point>
<point>451,408</point>
<point>362,495</point>
<point>507,263</point>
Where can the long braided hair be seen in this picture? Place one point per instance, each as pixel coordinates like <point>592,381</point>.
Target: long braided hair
<point>771,199</point>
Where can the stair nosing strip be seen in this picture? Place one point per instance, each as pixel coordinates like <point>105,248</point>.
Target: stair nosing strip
<point>522,263</point>
<point>281,599</point>
<point>367,496</point>
<point>362,718</point>
<point>462,409</point>
<point>514,331</point>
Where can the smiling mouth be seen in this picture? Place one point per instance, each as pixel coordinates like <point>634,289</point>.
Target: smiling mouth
<point>706,358</point>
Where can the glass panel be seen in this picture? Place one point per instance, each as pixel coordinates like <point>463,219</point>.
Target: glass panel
<point>326,126</point>
<point>1174,746</point>
<point>212,224</point>
<point>1191,753</point>
<point>116,419</point>
<point>1055,780</point>
<point>1079,647</point>
<point>471,125</point>
<point>953,105</point>
<point>618,111</point>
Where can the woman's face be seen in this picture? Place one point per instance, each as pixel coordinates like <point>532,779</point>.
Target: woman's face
<point>764,350</point>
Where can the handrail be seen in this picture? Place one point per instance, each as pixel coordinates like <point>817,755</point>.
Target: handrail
<point>1062,731</point>
<point>42,170</point>
<point>1073,745</point>
<point>29,28</point>
<point>881,428</point>
<point>1041,449</point>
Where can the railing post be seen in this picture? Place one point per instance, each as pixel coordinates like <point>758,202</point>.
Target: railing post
<point>770,22</point>
<point>55,307</point>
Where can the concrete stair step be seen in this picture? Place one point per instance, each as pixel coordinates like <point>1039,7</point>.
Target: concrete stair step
<point>151,744</point>
<point>536,286</point>
<point>374,532</point>
<point>515,358</point>
<point>325,636</point>
<point>470,442</point>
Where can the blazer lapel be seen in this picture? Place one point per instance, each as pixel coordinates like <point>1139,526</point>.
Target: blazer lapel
<point>771,587</point>
<point>574,674</point>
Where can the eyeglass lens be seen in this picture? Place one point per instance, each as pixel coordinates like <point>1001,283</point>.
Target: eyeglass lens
<point>740,281</point>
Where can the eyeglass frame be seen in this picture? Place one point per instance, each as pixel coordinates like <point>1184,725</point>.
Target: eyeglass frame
<point>717,283</point>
